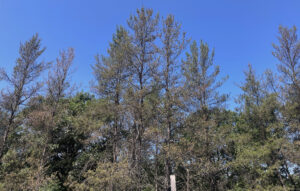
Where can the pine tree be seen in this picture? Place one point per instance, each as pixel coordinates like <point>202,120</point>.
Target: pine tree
<point>174,42</point>
<point>259,139</point>
<point>112,74</point>
<point>288,54</point>
<point>144,28</point>
<point>199,143</point>
<point>22,83</point>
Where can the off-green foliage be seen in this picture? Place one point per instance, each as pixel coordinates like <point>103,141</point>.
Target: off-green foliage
<point>149,119</point>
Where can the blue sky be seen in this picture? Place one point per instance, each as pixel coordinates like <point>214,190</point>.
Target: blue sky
<point>241,31</point>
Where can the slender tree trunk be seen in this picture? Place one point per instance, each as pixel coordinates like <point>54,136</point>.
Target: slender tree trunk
<point>167,161</point>
<point>156,162</point>
<point>289,175</point>
<point>116,122</point>
<point>4,141</point>
<point>6,132</point>
<point>114,155</point>
<point>187,180</point>
<point>140,128</point>
<point>115,136</point>
<point>281,181</point>
<point>139,163</point>
<point>169,126</point>
<point>133,149</point>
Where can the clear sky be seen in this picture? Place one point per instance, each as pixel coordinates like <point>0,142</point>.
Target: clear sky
<point>241,31</point>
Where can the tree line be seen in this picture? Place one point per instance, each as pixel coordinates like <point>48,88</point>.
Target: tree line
<point>154,109</point>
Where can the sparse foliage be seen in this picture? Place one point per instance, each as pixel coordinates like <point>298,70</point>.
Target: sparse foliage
<point>154,112</point>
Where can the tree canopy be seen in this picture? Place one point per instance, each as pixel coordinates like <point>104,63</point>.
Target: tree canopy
<point>155,109</point>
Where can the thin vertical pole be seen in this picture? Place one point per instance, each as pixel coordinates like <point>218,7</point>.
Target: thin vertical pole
<point>173,183</point>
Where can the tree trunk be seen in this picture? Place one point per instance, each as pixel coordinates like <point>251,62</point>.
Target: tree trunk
<point>6,132</point>
<point>187,180</point>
